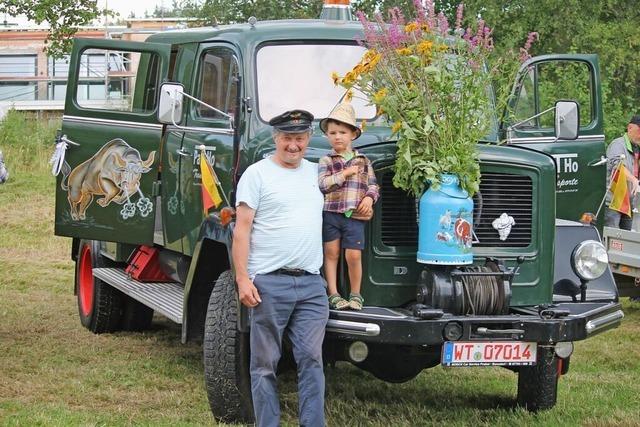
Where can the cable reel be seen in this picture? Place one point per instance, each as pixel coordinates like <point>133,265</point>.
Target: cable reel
<point>476,290</point>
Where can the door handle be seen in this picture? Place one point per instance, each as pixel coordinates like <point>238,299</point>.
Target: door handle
<point>183,153</point>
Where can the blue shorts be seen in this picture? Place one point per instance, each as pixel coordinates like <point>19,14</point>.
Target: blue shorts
<point>349,231</point>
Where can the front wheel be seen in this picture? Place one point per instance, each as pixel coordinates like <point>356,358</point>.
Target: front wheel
<point>538,385</point>
<point>99,304</point>
<point>226,356</point>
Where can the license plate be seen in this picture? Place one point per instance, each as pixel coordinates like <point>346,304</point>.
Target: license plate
<point>487,353</point>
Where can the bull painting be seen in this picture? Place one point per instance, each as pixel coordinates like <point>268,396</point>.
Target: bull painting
<point>113,172</point>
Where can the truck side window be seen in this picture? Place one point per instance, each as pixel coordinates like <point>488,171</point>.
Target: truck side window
<point>117,80</point>
<point>526,102</point>
<point>218,83</point>
<point>547,82</point>
<point>567,80</point>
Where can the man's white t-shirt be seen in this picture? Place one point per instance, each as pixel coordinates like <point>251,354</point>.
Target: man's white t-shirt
<point>287,227</point>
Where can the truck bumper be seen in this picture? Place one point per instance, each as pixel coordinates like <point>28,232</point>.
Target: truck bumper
<point>398,326</point>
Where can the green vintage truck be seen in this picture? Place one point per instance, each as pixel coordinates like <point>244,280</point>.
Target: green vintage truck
<point>138,116</point>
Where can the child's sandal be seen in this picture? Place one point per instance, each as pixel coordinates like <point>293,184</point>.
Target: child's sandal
<point>356,301</point>
<point>336,302</point>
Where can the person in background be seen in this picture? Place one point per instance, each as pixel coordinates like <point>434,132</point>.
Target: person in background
<point>277,255</point>
<point>4,173</point>
<point>346,178</point>
<point>625,149</point>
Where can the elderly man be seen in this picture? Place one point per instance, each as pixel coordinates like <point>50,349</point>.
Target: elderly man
<point>625,149</point>
<point>277,255</point>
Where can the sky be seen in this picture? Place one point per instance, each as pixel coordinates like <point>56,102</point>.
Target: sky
<point>123,7</point>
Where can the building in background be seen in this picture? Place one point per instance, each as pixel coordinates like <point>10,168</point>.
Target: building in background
<point>30,80</point>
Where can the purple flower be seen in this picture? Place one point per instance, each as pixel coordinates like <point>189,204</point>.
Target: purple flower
<point>443,24</point>
<point>459,15</point>
<point>431,13</point>
<point>420,13</point>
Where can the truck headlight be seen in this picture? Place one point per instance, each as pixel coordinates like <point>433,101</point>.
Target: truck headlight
<point>589,260</point>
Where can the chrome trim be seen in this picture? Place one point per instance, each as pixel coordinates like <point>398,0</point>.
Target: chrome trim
<point>193,129</point>
<point>119,123</point>
<point>353,328</point>
<point>596,324</point>
<point>539,139</point>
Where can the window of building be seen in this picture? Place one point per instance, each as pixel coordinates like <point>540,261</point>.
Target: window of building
<point>15,74</point>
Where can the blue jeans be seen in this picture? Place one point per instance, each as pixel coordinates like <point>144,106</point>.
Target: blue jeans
<point>298,306</point>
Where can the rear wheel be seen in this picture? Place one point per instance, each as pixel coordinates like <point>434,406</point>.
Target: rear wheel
<point>98,303</point>
<point>226,356</point>
<point>538,385</point>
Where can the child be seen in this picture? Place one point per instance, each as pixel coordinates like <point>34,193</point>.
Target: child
<point>347,180</point>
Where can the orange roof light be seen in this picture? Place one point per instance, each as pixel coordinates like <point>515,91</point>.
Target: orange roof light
<point>344,2</point>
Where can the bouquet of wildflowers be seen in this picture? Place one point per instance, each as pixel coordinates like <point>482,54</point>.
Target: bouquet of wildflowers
<point>433,83</point>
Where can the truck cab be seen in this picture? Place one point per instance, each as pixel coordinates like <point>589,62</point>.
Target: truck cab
<point>130,197</point>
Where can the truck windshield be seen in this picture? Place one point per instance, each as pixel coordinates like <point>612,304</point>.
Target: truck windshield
<point>299,76</point>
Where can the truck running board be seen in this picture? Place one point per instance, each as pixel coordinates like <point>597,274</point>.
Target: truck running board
<point>163,297</point>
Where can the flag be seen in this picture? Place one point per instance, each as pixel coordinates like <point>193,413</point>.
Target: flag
<point>210,195</point>
<point>620,201</point>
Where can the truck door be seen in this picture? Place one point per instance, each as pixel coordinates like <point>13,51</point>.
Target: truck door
<point>106,189</point>
<point>542,81</point>
<point>215,83</point>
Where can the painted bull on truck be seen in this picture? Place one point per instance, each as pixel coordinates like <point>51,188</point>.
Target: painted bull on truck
<point>113,172</point>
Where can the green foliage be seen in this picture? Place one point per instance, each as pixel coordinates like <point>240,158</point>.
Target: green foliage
<point>27,144</point>
<point>62,16</point>
<point>233,11</point>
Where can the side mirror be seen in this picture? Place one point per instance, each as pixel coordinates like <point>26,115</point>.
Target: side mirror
<point>567,123</point>
<point>170,103</point>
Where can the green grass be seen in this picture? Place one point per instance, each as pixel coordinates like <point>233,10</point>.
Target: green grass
<point>55,372</point>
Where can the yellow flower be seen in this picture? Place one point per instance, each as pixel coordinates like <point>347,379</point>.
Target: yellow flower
<point>379,95</point>
<point>425,28</point>
<point>442,47</point>
<point>424,47</point>
<point>368,55</point>
<point>379,111</point>
<point>363,125</point>
<point>396,127</point>
<point>335,77</point>
<point>404,51</point>
<point>411,27</point>
<point>349,95</point>
<point>349,78</point>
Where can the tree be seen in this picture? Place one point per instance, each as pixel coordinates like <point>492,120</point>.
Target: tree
<point>62,16</point>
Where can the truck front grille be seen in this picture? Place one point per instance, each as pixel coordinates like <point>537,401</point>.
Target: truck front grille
<point>499,192</point>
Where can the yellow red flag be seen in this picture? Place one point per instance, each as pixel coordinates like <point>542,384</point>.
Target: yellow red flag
<point>210,195</point>
<point>621,199</point>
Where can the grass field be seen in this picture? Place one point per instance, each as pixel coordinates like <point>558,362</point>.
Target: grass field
<point>54,372</point>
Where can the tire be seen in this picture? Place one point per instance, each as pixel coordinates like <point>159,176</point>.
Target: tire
<point>538,385</point>
<point>98,303</point>
<point>135,315</point>
<point>226,356</point>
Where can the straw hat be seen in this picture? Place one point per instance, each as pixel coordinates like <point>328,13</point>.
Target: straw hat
<point>343,113</point>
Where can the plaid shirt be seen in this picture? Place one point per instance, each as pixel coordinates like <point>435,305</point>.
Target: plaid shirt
<point>343,194</point>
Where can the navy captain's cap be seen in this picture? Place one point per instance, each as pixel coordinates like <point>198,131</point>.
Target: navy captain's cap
<point>635,120</point>
<point>294,121</point>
